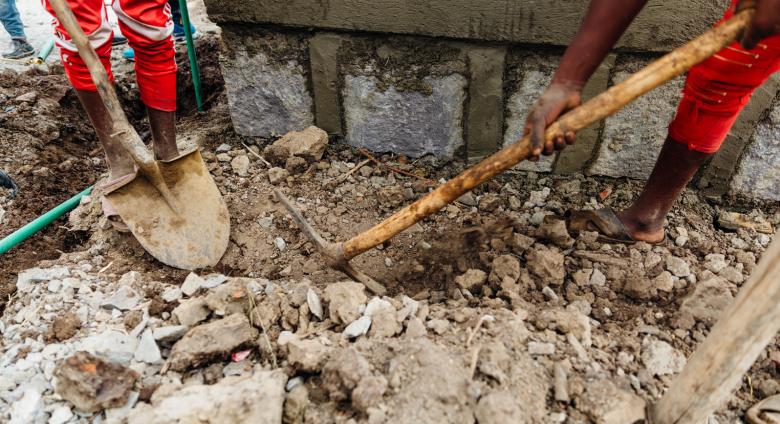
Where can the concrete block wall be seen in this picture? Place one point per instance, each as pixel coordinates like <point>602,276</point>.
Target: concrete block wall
<point>462,91</point>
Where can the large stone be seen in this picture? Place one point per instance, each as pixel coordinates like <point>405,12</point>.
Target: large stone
<point>660,358</point>
<point>191,311</point>
<point>309,143</point>
<point>215,340</point>
<point>758,175</point>
<point>267,96</point>
<point>605,403</point>
<point>710,297</point>
<point>633,136</point>
<point>406,122</point>
<point>254,398</point>
<point>546,264</point>
<point>346,300</point>
<point>91,383</point>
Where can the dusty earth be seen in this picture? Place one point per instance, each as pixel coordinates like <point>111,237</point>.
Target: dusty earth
<point>494,313</point>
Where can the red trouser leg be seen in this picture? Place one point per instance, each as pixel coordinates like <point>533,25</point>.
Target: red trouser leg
<point>718,89</point>
<point>147,25</point>
<point>91,15</point>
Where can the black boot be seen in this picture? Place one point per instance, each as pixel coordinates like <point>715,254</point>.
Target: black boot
<point>19,49</point>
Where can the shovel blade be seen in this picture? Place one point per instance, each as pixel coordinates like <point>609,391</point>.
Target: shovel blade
<point>189,232</point>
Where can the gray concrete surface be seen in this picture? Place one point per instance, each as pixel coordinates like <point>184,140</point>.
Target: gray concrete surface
<point>758,175</point>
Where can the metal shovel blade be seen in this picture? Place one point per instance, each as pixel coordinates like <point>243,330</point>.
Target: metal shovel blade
<point>188,231</point>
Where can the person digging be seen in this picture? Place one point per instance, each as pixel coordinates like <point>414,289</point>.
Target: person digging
<point>715,93</point>
<point>148,26</point>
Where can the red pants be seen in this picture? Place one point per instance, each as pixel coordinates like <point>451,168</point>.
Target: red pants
<point>718,89</point>
<point>147,25</point>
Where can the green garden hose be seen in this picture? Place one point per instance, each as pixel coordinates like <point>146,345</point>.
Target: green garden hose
<point>44,53</point>
<point>185,17</point>
<point>41,222</point>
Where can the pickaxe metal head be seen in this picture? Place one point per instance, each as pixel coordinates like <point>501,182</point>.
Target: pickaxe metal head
<point>332,252</point>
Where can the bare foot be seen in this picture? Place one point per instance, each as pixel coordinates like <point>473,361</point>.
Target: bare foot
<point>642,231</point>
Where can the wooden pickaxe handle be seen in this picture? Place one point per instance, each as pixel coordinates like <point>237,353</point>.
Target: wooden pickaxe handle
<point>596,109</point>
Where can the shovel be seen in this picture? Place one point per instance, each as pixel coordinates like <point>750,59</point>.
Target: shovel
<point>173,208</point>
<point>338,255</point>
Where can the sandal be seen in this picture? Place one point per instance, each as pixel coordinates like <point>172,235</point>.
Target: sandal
<point>765,412</point>
<point>603,221</point>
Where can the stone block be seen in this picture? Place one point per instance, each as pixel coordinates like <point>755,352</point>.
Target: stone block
<point>758,174</point>
<point>323,51</point>
<point>408,122</point>
<point>486,100</point>
<point>268,92</point>
<point>633,136</point>
<point>529,76</point>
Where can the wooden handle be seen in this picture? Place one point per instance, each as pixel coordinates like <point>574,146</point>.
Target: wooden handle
<point>719,364</point>
<point>596,109</point>
<point>122,131</point>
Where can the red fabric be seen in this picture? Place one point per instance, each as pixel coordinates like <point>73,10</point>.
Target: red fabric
<point>147,25</point>
<point>718,89</point>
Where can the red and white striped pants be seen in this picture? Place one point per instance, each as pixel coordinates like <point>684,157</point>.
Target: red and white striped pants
<point>147,25</point>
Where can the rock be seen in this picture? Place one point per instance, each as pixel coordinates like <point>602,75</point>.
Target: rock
<point>342,373</point>
<point>597,278</point>
<point>677,266</point>
<point>566,321</point>
<point>556,232</point>
<point>715,262</point>
<point>116,346</point>
<point>295,165</point>
<point>147,350</point>
<point>357,328</point>
<point>229,299</point>
<point>383,318</point>
<point>223,157</point>
<point>277,155</point>
<point>307,355</point>
<point>660,358</point>
<point>124,299</point>
<point>65,326</point>
<point>213,280</point>
<point>537,198</point>
<point>439,326</point>
<point>28,409</point>
<point>504,266</point>
<point>192,284</point>
<point>215,340</point>
<point>682,236</point>
<point>549,294</point>
<point>639,288</point>
<point>582,277</point>
<point>277,175</point>
<point>345,301</point>
<point>521,243</point>
<point>29,97</point>
<point>240,165</point>
<point>490,202</point>
<point>223,148</point>
<point>91,383</point>
<point>191,312</point>
<point>172,295</point>
<point>471,280</point>
<point>605,403</point>
<point>539,348</point>
<point>60,415</point>
<point>663,282</point>
<point>546,264</point>
<point>26,280</point>
<point>732,274</point>
<point>736,221</point>
<point>709,298</point>
<point>315,306</point>
<point>468,199</point>
<point>295,404</point>
<point>253,398</point>
<point>500,408</point>
<point>169,334</point>
<point>309,143</point>
<point>368,392</point>
<point>415,328</point>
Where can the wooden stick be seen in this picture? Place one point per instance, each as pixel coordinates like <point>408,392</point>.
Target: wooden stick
<point>596,109</point>
<point>716,368</point>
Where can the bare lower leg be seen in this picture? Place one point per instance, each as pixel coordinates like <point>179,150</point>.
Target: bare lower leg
<point>674,169</point>
<point>163,125</point>
<point>119,162</point>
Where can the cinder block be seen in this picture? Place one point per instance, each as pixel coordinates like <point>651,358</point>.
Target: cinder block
<point>632,138</point>
<point>758,175</point>
<point>406,122</point>
<point>267,94</point>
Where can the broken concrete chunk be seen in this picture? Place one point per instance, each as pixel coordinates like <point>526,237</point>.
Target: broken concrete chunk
<point>345,301</point>
<point>343,371</point>
<point>315,306</point>
<point>660,358</point>
<point>504,266</point>
<point>170,333</point>
<point>384,322</point>
<point>566,321</point>
<point>191,311</point>
<point>546,264</point>
<point>124,299</point>
<point>605,403</point>
<point>472,279</point>
<point>677,266</point>
<point>147,350</point>
<point>358,328</point>
<point>307,355</point>
<point>228,299</point>
<point>26,280</point>
<point>215,340</point>
<point>556,232</point>
<point>253,398</point>
<point>368,392</point>
<point>709,298</point>
<point>309,143</point>
<point>277,175</point>
<point>91,383</point>
<point>240,165</point>
<point>192,284</point>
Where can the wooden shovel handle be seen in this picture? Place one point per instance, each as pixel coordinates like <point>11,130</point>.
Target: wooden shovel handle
<point>596,109</point>
<point>122,131</point>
